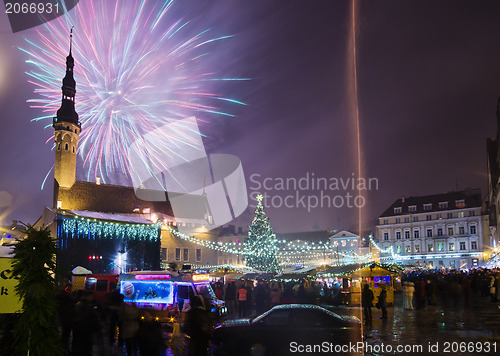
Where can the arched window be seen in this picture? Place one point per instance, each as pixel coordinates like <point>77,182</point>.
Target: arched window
<point>59,147</point>
<point>66,147</point>
<point>73,149</point>
<point>75,130</point>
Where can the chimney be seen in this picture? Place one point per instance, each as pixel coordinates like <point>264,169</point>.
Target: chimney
<point>402,199</point>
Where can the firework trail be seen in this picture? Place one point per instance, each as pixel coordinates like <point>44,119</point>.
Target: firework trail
<point>136,69</point>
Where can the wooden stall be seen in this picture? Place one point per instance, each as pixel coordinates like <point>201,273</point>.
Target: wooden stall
<point>354,276</point>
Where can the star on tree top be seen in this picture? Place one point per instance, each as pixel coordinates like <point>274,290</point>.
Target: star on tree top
<point>259,198</point>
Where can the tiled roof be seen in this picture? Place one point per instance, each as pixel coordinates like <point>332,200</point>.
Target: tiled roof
<point>471,197</point>
<point>107,198</point>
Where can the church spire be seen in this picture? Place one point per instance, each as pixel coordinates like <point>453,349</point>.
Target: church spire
<point>66,112</point>
<point>67,130</point>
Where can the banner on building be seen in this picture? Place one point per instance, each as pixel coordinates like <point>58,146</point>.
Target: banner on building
<point>9,300</point>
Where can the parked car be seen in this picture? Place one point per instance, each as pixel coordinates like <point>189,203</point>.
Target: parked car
<point>287,329</point>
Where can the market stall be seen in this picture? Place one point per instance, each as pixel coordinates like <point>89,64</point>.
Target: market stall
<point>352,277</point>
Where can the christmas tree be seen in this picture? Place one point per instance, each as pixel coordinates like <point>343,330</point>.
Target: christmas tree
<point>261,246</point>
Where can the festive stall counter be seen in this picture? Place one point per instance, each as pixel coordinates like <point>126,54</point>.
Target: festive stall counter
<point>352,278</point>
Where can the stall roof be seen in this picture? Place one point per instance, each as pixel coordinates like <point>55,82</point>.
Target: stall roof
<point>257,276</point>
<point>346,270</point>
<point>294,276</point>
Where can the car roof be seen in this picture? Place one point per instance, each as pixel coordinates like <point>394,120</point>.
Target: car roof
<point>313,307</point>
<point>298,306</point>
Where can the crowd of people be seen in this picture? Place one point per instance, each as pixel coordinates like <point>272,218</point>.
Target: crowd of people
<point>247,298</point>
<point>87,328</point>
<point>449,287</point>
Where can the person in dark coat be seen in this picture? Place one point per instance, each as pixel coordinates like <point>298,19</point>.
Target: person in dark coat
<point>65,309</point>
<point>85,325</point>
<point>382,301</point>
<point>150,339</point>
<point>367,300</point>
<point>260,299</point>
<point>230,298</point>
<point>199,327</point>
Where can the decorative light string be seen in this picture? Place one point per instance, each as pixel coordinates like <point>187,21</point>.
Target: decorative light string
<point>79,227</point>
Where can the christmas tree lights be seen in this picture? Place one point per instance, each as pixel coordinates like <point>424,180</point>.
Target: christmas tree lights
<point>261,250</point>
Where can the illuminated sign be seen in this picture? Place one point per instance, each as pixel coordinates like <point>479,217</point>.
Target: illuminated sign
<point>147,291</point>
<point>152,276</point>
<point>200,277</point>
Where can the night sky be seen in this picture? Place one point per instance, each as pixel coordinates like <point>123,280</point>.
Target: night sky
<point>428,81</point>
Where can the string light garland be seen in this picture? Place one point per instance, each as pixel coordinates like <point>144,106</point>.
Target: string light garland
<point>79,227</point>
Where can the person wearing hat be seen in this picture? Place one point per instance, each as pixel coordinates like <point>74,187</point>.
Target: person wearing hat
<point>382,301</point>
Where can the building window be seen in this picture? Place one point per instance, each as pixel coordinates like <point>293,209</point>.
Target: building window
<point>186,254</point>
<point>460,214</point>
<point>164,254</point>
<point>177,254</point>
<point>473,229</point>
<point>59,147</point>
<point>449,215</point>
<point>415,218</point>
<point>73,149</point>
<point>225,261</point>
<point>430,248</point>
<point>398,235</point>
<point>408,250</point>
<point>66,147</point>
<point>230,261</point>
<point>407,234</point>
<point>198,255</point>
<point>443,205</point>
<point>417,248</point>
<point>461,230</point>
<point>473,245</point>
<point>416,234</point>
<point>472,213</point>
<point>451,246</point>
<point>398,220</point>
<point>398,249</point>
<point>397,210</point>
<point>440,232</point>
<point>386,236</point>
<point>450,231</point>
<point>407,219</point>
<point>220,253</point>
<point>438,216</point>
<point>440,246</point>
<point>428,217</point>
<point>386,221</point>
<point>460,203</point>
<point>427,207</point>
<point>343,242</point>
<point>412,208</point>
<point>429,232</point>
<point>462,246</point>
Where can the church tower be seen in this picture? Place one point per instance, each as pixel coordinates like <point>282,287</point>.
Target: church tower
<point>66,130</point>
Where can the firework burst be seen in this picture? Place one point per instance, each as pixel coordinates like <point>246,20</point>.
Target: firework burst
<point>136,70</point>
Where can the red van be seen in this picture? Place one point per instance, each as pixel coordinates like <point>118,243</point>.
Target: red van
<point>102,285</point>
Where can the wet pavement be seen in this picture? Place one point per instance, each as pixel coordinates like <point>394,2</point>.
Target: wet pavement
<point>433,329</point>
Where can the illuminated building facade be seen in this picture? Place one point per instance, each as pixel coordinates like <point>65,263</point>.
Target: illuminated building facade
<point>435,231</point>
